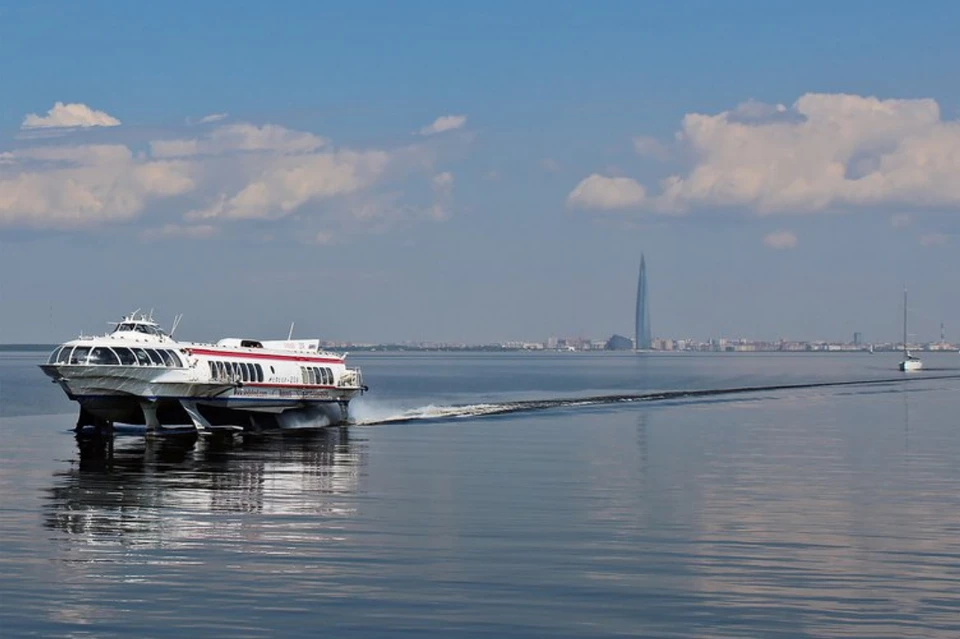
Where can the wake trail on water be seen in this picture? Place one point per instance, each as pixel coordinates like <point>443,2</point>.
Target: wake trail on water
<point>372,415</point>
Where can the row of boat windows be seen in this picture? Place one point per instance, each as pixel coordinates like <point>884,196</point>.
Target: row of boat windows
<point>115,356</point>
<point>316,375</point>
<point>235,371</point>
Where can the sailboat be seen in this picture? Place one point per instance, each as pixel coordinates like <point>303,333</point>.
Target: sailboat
<point>910,362</point>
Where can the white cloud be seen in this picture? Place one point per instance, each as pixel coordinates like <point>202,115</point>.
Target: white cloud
<point>284,184</point>
<point>213,117</point>
<point>780,240</point>
<point>69,116</point>
<point>901,220</point>
<point>240,137</point>
<point>177,231</point>
<point>443,196</point>
<point>323,238</point>
<point>650,147</point>
<point>551,165</point>
<point>234,172</point>
<point>825,152</point>
<point>933,239</point>
<point>444,123</point>
<point>600,192</point>
<point>76,186</point>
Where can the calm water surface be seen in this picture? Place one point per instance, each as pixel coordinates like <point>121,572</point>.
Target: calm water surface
<point>816,512</point>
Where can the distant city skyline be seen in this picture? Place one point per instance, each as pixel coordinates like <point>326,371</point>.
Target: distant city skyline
<point>386,172</point>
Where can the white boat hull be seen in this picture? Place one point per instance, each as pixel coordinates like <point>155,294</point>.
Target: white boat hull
<point>908,365</point>
<point>121,395</point>
<point>140,375</point>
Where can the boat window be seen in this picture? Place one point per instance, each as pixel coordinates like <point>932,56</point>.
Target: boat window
<point>125,327</point>
<point>142,358</point>
<point>250,343</point>
<point>322,375</point>
<point>53,355</point>
<point>245,371</point>
<point>236,370</point>
<point>79,355</point>
<point>103,356</point>
<point>175,359</point>
<point>64,355</point>
<point>259,372</point>
<point>127,358</point>
<point>213,370</point>
<point>330,376</point>
<point>155,357</point>
<point>303,376</point>
<point>167,357</point>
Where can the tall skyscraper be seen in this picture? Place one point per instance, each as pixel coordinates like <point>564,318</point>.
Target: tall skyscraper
<point>643,340</point>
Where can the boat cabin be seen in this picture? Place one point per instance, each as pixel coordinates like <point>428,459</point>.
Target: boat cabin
<point>139,326</point>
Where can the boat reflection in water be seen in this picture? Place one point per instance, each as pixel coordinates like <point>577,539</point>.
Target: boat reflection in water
<point>169,490</point>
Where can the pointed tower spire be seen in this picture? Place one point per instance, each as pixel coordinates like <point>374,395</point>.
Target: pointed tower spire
<point>642,333</point>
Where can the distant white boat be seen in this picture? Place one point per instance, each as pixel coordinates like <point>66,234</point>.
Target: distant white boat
<point>910,362</point>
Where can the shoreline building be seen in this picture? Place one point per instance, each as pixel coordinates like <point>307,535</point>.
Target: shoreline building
<point>642,339</point>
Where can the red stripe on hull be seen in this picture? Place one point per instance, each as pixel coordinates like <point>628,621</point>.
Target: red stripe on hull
<point>283,358</point>
<point>269,385</point>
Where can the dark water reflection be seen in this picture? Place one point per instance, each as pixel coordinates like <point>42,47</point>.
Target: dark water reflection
<point>139,490</point>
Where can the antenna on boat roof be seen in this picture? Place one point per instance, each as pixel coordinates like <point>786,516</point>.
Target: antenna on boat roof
<point>290,334</point>
<point>150,316</point>
<point>176,323</point>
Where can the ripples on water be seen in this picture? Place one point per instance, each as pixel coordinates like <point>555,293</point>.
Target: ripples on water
<point>821,512</point>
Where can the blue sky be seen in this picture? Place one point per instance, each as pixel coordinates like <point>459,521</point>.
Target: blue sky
<point>418,171</point>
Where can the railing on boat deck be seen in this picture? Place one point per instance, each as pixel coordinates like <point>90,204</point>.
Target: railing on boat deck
<point>351,378</point>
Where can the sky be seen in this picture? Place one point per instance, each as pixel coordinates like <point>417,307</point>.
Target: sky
<point>384,172</point>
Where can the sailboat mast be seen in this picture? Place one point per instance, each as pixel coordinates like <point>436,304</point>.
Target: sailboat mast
<point>904,321</point>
